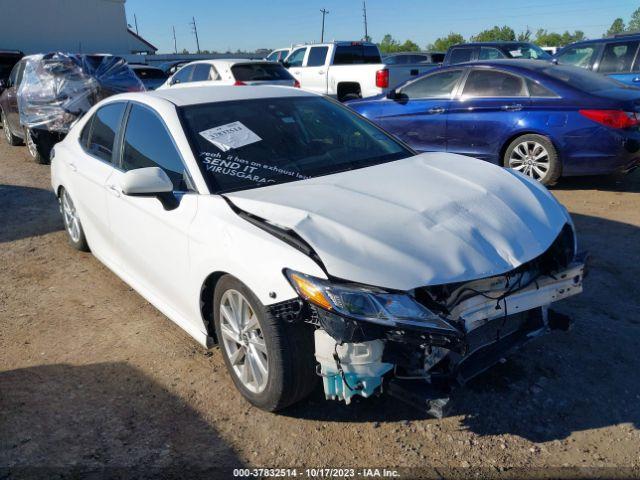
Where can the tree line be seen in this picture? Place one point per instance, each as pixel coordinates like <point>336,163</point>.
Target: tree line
<point>541,37</point>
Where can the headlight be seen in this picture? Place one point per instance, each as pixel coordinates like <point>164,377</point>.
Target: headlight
<point>365,303</point>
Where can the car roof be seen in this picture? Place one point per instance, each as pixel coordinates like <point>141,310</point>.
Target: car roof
<point>509,63</point>
<point>615,38</point>
<point>220,93</point>
<point>142,65</point>
<point>231,61</point>
<point>496,43</point>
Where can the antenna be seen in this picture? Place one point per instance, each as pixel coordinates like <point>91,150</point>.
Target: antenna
<point>194,29</point>
<point>175,44</point>
<point>324,13</point>
<point>135,21</point>
<point>364,16</point>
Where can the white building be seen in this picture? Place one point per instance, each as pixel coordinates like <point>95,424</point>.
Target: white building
<point>79,26</point>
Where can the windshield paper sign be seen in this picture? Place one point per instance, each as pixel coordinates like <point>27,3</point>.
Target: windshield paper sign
<point>231,135</point>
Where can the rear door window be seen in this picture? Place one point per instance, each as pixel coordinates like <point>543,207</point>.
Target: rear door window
<point>490,83</point>
<point>579,55</point>
<point>438,85</point>
<point>618,57</point>
<point>317,56</point>
<point>461,55</point>
<point>103,129</point>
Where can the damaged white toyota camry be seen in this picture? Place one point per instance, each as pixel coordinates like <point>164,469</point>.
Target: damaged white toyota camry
<point>308,243</point>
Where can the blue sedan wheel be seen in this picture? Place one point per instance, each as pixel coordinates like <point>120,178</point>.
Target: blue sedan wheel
<point>535,156</point>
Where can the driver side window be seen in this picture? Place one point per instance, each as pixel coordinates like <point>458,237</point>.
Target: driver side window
<point>296,58</point>
<point>438,85</point>
<point>183,75</point>
<point>148,143</point>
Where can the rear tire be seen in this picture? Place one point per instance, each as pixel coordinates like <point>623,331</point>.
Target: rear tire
<point>535,156</point>
<point>72,225</point>
<point>288,348</point>
<point>35,147</point>
<point>9,137</point>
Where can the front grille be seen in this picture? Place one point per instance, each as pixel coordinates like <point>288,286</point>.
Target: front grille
<point>493,330</point>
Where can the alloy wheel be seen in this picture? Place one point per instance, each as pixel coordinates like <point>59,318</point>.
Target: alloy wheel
<point>243,341</point>
<point>31,145</point>
<point>70,217</point>
<point>5,127</point>
<point>530,158</point>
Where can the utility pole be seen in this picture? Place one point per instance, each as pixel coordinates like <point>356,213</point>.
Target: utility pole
<point>175,44</point>
<point>135,21</point>
<point>324,12</point>
<point>195,32</point>
<point>364,15</point>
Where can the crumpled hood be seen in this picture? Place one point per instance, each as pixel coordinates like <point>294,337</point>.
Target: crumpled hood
<point>432,219</point>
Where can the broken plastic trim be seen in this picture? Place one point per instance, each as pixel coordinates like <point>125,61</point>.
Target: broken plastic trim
<point>287,235</point>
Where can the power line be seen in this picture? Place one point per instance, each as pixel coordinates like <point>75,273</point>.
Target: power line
<point>194,29</point>
<point>175,43</point>
<point>364,15</point>
<point>324,13</point>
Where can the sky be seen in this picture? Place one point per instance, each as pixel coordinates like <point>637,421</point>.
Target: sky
<point>251,24</point>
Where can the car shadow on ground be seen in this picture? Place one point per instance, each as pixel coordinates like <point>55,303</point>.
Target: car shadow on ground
<point>603,183</point>
<point>27,212</point>
<point>103,420</point>
<point>586,378</point>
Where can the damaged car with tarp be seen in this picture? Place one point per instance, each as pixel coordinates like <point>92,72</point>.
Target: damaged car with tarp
<point>47,93</point>
<point>309,243</point>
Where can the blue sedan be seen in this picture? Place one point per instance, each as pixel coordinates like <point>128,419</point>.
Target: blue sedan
<point>542,119</point>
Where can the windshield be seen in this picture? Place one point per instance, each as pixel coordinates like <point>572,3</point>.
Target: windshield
<point>247,144</point>
<point>254,72</point>
<point>584,80</point>
<point>527,51</point>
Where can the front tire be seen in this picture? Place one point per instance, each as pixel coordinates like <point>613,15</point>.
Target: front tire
<point>535,156</point>
<point>72,225</point>
<point>271,362</point>
<point>9,137</point>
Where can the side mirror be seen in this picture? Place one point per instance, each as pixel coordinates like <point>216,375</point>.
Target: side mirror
<point>554,61</point>
<point>392,94</point>
<point>285,64</point>
<point>3,84</point>
<point>150,182</point>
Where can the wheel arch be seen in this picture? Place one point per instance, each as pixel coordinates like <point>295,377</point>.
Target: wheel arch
<point>512,137</point>
<point>206,302</point>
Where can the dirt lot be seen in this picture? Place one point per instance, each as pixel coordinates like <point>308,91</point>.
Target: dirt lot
<point>93,376</point>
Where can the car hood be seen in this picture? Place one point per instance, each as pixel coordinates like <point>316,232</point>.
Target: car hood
<point>432,219</point>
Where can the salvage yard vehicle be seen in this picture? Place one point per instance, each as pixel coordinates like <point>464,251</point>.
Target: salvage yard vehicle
<point>47,93</point>
<point>8,59</point>
<point>231,71</point>
<point>616,57</point>
<point>479,51</point>
<point>542,119</point>
<point>151,77</point>
<point>296,234</point>
<point>347,70</point>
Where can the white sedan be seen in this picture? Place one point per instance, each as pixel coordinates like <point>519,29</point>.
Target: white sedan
<point>304,240</point>
<point>238,72</point>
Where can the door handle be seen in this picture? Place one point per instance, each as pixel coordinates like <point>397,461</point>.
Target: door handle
<point>321,72</point>
<point>636,79</point>
<point>72,166</point>
<point>435,110</point>
<point>115,191</point>
<point>512,108</point>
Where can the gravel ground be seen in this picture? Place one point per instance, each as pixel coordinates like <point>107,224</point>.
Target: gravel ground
<point>93,376</point>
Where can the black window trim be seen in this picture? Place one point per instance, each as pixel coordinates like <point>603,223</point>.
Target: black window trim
<point>119,150</point>
<point>454,92</point>
<point>89,124</point>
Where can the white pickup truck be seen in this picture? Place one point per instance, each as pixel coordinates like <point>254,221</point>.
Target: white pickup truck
<point>347,70</point>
